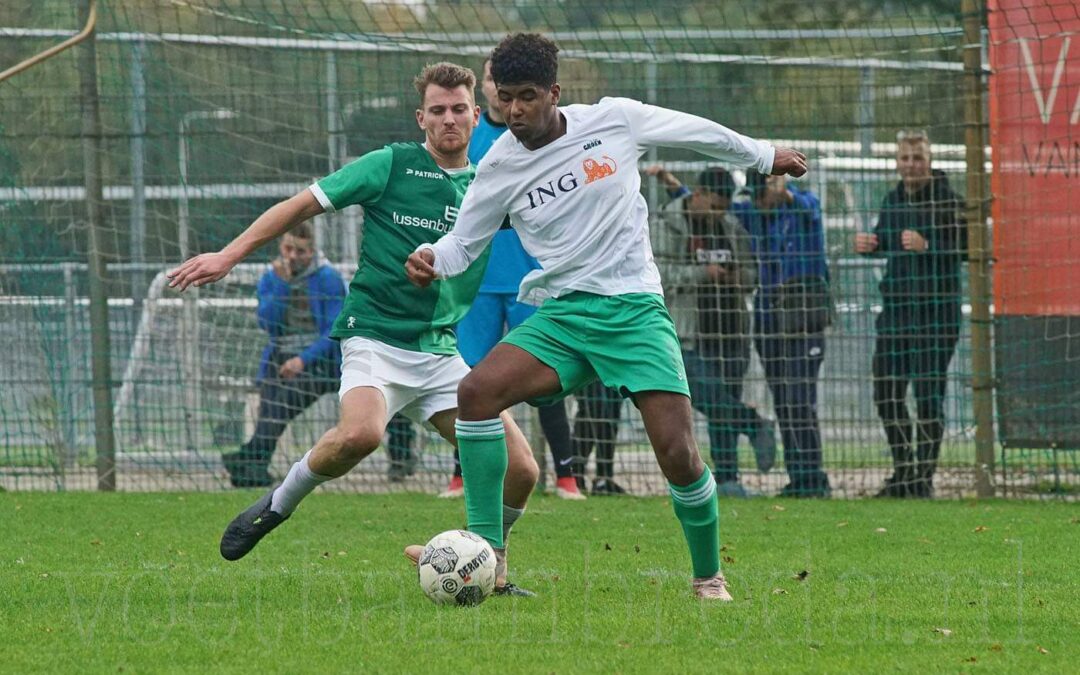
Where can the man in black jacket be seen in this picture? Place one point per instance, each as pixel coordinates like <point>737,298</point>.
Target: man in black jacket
<point>922,235</point>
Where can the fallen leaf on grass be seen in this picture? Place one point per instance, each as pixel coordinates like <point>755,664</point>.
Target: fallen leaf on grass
<point>996,647</point>
<point>777,507</point>
<point>880,530</point>
<point>842,523</point>
<point>944,631</point>
<point>342,553</point>
<point>779,591</point>
<point>325,554</point>
<point>95,542</point>
<point>1042,650</point>
<point>971,659</point>
<point>728,559</point>
<point>981,528</point>
<point>770,517</point>
<point>801,576</point>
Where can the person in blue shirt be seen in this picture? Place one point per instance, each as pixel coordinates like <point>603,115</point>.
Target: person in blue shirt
<point>791,312</point>
<point>496,310</point>
<point>299,298</point>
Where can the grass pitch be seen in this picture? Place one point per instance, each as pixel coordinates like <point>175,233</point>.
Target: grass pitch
<point>133,583</point>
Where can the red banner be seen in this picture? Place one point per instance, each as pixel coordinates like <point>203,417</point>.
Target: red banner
<point>1035,113</point>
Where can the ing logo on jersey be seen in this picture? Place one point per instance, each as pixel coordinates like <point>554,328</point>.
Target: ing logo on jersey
<point>595,169</point>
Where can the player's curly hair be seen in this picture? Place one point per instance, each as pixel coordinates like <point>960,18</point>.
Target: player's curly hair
<point>525,57</point>
<point>445,74</point>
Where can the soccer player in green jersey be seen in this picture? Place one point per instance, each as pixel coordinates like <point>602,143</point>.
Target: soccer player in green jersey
<point>399,353</point>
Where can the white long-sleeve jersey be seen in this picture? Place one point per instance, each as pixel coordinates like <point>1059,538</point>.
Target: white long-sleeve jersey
<point>576,203</point>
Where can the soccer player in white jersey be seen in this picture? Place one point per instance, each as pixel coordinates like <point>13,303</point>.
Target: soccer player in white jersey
<point>399,353</point>
<point>568,179</point>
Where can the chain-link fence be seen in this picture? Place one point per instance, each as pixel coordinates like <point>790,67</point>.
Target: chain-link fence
<point>212,111</point>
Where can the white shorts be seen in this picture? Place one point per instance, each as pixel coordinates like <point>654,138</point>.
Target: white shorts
<point>416,384</point>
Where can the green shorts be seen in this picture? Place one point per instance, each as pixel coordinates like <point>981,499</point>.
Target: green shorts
<point>627,341</point>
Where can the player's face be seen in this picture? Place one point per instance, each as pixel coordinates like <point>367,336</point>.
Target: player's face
<point>529,110</point>
<point>913,163</point>
<point>297,252</point>
<point>448,117</point>
<point>491,94</point>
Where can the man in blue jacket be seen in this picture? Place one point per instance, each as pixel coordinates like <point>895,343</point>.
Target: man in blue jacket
<point>791,311</point>
<point>299,298</point>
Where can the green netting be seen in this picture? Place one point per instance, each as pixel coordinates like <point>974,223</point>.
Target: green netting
<point>214,111</point>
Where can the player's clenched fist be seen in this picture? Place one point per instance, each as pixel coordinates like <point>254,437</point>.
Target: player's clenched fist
<point>789,161</point>
<point>421,267</point>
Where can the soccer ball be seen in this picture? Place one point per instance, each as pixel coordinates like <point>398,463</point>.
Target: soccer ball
<point>457,568</point>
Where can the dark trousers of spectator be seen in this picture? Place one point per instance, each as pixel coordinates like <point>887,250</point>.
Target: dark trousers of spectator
<point>401,433</point>
<point>920,355</point>
<point>715,374</point>
<point>281,400</point>
<point>792,363</point>
<point>556,428</point>
<point>596,426</point>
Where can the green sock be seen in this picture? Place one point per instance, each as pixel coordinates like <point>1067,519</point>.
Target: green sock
<point>695,507</point>
<point>482,448</point>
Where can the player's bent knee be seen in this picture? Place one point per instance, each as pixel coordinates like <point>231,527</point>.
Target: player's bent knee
<point>357,443</point>
<point>474,399</point>
<point>468,391</point>
<point>677,456</point>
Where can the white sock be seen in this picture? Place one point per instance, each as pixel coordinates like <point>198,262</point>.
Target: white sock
<point>510,516</point>
<point>297,485</point>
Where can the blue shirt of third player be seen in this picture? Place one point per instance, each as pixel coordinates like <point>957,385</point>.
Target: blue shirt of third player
<point>509,263</point>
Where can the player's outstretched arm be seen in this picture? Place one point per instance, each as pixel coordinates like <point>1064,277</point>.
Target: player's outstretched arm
<point>276,221</point>
<point>653,125</point>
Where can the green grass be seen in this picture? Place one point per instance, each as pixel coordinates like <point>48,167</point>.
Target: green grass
<point>133,583</point>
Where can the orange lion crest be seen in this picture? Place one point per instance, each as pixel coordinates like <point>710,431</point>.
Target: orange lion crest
<point>597,169</point>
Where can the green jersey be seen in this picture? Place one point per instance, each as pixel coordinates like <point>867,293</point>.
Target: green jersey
<point>408,200</point>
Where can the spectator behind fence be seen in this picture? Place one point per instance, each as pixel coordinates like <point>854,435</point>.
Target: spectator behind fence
<point>596,425</point>
<point>791,311</point>
<point>299,298</point>
<point>922,236</point>
<point>708,270</point>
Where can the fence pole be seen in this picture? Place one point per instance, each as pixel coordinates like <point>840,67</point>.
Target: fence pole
<point>101,367</point>
<point>982,380</point>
